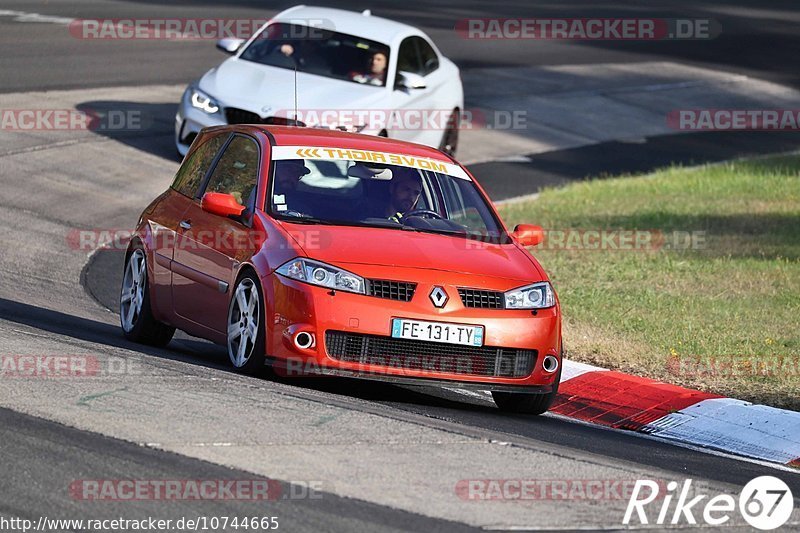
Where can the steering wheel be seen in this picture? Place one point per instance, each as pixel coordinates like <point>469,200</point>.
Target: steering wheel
<point>422,212</point>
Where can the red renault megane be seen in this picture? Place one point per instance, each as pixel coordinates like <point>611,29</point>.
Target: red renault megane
<point>324,252</point>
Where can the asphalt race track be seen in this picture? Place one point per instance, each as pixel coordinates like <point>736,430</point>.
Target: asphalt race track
<point>380,457</point>
<point>761,42</point>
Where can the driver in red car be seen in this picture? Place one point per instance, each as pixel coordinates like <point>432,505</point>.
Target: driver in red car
<point>404,191</point>
<point>405,187</point>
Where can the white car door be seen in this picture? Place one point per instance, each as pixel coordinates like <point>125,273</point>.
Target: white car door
<point>420,113</point>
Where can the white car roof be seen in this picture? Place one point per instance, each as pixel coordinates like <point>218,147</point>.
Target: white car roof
<point>350,22</point>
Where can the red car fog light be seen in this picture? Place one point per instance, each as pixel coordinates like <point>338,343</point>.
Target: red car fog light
<point>550,364</point>
<point>300,338</point>
<point>304,340</point>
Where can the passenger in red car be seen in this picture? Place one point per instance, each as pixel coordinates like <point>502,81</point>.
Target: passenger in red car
<point>285,195</point>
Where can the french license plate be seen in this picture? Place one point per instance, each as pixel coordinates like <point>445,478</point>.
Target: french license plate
<point>403,328</point>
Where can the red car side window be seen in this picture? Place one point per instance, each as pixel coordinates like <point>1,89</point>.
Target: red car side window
<point>236,172</point>
<point>193,170</point>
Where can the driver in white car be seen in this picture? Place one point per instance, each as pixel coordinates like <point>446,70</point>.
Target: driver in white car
<point>376,74</point>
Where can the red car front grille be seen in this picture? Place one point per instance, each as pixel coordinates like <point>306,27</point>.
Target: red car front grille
<point>481,299</point>
<point>392,290</point>
<point>410,354</point>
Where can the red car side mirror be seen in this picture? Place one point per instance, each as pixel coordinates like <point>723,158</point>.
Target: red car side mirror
<point>528,234</point>
<point>222,204</point>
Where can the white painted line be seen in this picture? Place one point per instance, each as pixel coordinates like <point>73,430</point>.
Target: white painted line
<point>573,369</point>
<point>22,16</point>
<point>514,159</point>
<point>517,199</point>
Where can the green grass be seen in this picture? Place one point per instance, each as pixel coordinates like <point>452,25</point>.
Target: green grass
<point>734,298</point>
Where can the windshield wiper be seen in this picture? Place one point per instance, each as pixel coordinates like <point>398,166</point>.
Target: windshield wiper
<point>303,219</point>
<point>403,227</point>
<point>388,224</point>
<point>439,231</point>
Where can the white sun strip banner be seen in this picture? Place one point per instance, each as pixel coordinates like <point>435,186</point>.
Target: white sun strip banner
<point>368,156</point>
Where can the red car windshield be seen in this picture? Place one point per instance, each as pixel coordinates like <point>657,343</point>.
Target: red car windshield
<point>321,52</point>
<point>353,193</point>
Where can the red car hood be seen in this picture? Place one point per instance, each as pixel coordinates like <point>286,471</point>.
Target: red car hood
<point>407,249</point>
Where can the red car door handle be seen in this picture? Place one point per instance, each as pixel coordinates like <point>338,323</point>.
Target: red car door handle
<point>185,224</point>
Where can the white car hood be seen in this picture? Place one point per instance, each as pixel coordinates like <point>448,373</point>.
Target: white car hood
<point>269,91</point>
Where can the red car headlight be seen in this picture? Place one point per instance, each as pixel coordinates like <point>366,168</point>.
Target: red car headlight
<point>322,274</point>
<point>536,296</point>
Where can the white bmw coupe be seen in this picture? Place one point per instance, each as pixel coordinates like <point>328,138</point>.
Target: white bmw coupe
<point>329,68</point>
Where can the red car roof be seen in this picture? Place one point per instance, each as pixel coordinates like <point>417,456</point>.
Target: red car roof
<point>297,136</point>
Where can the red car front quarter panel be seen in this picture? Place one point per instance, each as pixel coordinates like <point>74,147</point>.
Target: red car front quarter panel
<point>278,245</point>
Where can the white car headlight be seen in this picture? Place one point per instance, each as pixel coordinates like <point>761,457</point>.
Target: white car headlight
<point>536,296</point>
<point>204,102</point>
<point>324,275</point>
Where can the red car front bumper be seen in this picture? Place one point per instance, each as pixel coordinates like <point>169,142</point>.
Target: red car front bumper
<point>352,333</point>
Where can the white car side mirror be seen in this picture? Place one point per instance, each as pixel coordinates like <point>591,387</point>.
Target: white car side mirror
<point>230,45</point>
<point>409,80</point>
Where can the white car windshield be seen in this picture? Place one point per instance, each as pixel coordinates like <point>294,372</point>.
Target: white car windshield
<point>352,193</point>
<point>321,52</point>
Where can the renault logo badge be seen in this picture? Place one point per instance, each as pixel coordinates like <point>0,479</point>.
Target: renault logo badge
<point>438,296</point>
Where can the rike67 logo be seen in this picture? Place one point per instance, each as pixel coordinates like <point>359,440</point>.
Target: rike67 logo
<point>765,503</point>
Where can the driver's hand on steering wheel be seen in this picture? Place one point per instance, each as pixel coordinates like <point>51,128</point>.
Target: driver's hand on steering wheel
<point>428,213</point>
